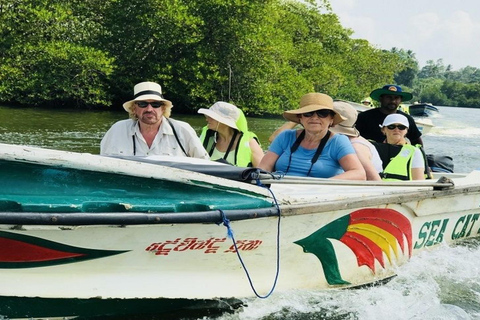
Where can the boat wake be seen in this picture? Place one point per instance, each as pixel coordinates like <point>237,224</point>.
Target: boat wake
<point>467,132</point>
<point>436,285</point>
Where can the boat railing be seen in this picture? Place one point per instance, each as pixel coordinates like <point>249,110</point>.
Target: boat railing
<point>442,183</point>
<point>254,175</point>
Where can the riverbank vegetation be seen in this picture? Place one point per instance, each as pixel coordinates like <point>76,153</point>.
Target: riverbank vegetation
<point>260,55</point>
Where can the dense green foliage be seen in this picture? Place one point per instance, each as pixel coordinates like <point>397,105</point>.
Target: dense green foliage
<point>260,55</point>
<point>450,88</point>
<point>45,55</point>
<point>439,85</point>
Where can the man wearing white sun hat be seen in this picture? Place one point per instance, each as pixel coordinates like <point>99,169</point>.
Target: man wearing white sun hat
<point>150,130</point>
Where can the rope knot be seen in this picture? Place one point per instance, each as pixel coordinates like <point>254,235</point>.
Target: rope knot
<point>226,223</point>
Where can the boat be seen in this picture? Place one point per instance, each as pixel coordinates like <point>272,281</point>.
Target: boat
<point>85,235</point>
<point>422,110</point>
<point>423,124</point>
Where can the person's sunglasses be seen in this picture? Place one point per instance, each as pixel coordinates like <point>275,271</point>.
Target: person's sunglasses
<point>399,126</point>
<point>320,113</point>
<point>144,104</point>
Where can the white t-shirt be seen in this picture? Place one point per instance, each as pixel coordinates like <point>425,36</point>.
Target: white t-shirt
<point>418,161</point>
<point>125,139</point>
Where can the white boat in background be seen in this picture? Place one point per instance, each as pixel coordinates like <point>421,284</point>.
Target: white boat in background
<point>423,124</point>
<point>422,109</point>
<point>92,236</point>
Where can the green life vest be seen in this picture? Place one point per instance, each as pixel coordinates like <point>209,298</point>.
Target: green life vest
<point>243,153</point>
<point>397,161</point>
<point>400,166</point>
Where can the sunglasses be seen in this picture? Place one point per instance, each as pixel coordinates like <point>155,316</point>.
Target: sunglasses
<point>399,126</point>
<point>144,104</point>
<point>320,113</point>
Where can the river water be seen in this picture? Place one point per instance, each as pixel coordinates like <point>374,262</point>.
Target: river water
<point>440,284</point>
<point>456,132</point>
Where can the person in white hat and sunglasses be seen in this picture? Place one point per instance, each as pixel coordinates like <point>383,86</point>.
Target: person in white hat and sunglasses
<point>402,161</point>
<point>150,130</point>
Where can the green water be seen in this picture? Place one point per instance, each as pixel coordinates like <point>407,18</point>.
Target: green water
<point>81,131</point>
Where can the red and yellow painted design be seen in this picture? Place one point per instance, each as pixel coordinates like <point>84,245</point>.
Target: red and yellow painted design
<point>369,233</point>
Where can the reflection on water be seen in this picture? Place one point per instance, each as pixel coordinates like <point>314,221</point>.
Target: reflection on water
<point>74,130</point>
<point>441,284</point>
<point>457,134</point>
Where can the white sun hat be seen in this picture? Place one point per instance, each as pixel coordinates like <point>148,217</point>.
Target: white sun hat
<point>223,112</point>
<point>395,118</point>
<point>146,91</point>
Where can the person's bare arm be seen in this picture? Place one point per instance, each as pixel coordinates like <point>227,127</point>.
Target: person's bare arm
<point>418,174</point>
<point>418,166</point>
<point>286,126</point>
<point>365,156</point>
<point>352,167</point>
<point>268,161</point>
<point>257,152</point>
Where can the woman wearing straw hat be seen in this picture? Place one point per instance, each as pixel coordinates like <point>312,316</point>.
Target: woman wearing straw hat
<point>226,136</point>
<point>313,151</point>
<point>150,130</point>
<point>364,149</point>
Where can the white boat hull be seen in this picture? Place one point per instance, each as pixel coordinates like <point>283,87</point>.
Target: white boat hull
<point>198,261</point>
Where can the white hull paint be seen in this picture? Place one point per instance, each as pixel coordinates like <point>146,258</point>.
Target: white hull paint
<point>176,270</point>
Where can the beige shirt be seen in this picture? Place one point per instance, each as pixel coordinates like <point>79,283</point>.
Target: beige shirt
<point>125,139</point>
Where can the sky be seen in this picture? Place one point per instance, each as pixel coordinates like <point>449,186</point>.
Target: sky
<point>432,29</point>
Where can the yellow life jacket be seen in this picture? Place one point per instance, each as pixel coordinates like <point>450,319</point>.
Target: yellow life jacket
<point>397,161</point>
<point>243,153</point>
<point>400,166</point>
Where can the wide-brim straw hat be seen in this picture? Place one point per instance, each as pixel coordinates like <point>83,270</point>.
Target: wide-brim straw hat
<point>346,127</point>
<point>313,102</point>
<point>223,112</point>
<point>390,89</point>
<point>146,91</point>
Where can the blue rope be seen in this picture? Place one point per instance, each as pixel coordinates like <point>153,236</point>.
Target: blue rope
<point>226,223</point>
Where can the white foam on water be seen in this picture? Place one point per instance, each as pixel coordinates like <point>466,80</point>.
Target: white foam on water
<point>467,132</point>
<point>439,284</point>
